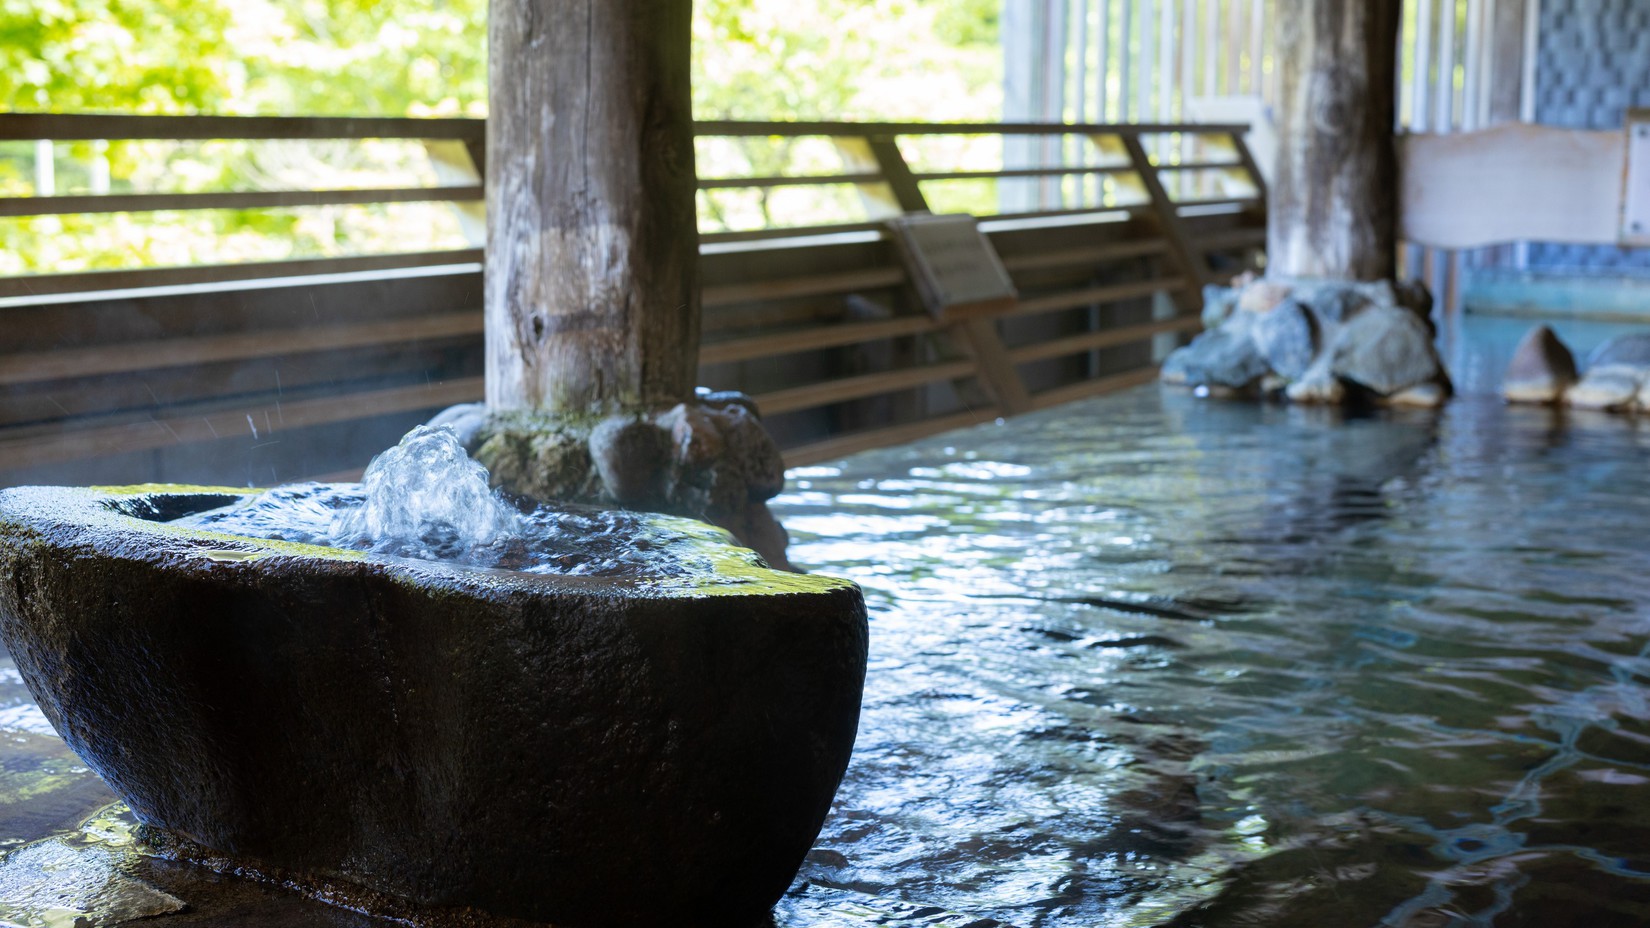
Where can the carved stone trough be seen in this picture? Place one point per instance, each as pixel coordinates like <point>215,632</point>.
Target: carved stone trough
<point>588,751</point>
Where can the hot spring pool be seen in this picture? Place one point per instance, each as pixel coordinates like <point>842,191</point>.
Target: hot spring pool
<point>1149,660</point>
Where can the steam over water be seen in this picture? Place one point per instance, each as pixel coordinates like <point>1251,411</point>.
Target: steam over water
<point>427,499</point>
<point>1151,661</point>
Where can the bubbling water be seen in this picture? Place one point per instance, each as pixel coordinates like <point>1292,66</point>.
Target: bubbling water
<point>427,499</point>
<point>426,491</point>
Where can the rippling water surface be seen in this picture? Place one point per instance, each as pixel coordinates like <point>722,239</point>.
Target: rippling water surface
<point>1153,660</point>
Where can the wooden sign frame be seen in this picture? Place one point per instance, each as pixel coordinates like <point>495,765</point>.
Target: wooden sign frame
<point>955,267</point>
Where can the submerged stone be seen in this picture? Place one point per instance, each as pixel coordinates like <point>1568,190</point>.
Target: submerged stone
<point>616,750</point>
<point>1542,368</point>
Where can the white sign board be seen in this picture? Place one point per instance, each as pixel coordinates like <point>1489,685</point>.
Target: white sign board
<point>1635,200</point>
<point>956,269</point>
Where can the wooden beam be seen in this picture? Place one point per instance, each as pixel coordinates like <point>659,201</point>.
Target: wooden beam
<point>281,272</point>
<point>1104,338</point>
<point>813,338</point>
<point>1192,265</point>
<point>82,127</point>
<point>249,199</point>
<point>1333,212</point>
<point>1107,293</point>
<point>877,278</point>
<point>23,448</point>
<point>592,258</point>
<point>242,346</point>
<point>738,128</point>
<point>854,442</point>
<point>827,392</point>
<point>1083,389</point>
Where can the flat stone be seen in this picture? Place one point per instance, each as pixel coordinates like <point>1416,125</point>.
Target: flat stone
<point>1287,339</point>
<point>1386,350</point>
<point>1607,386</point>
<point>1542,368</point>
<point>577,750</point>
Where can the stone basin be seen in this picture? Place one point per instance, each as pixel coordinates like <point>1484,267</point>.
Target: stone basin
<point>431,739</point>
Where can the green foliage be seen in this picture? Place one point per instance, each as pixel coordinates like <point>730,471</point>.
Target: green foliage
<point>753,59</point>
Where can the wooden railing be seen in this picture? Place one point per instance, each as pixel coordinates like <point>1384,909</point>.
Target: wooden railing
<point>276,370</point>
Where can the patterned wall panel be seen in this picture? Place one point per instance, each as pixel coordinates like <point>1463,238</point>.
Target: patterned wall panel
<point>1593,65</point>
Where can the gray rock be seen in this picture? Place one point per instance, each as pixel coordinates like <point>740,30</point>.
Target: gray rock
<point>579,750</point>
<point>1287,339</point>
<point>1318,385</point>
<point>1425,396</point>
<point>1631,349</point>
<point>1334,306</point>
<point>466,420</point>
<point>1414,296</point>
<point>1173,369</point>
<point>1218,304</point>
<point>718,399</point>
<point>1223,357</point>
<point>1542,368</point>
<point>1607,386</point>
<point>751,456</point>
<point>633,457</point>
<point>1385,349</point>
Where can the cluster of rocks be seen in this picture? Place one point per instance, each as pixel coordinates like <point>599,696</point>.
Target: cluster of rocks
<point>709,459</point>
<point>1315,341</point>
<point>1617,377</point>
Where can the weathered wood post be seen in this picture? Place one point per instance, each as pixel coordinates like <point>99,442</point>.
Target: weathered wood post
<point>592,293</point>
<point>592,256</point>
<point>1333,207</point>
<point>1328,323</point>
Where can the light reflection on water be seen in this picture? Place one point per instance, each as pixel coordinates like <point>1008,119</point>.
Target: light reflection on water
<point>1151,660</point>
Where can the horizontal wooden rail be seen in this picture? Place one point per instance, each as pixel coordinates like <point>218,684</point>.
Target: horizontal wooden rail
<point>1107,293</point>
<point>82,127</point>
<point>1231,238</point>
<point>1024,172</point>
<point>854,442</point>
<point>788,180</point>
<point>1083,389</point>
<point>782,128</point>
<point>84,284</point>
<point>253,199</point>
<point>1199,166</point>
<point>1089,254</point>
<point>829,336</point>
<point>853,388</point>
<point>1105,338</point>
<point>28,449</point>
<point>241,346</point>
<point>811,285</point>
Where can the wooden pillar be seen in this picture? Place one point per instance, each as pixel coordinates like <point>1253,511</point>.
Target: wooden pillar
<point>592,302</point>
<point>1333,207</point>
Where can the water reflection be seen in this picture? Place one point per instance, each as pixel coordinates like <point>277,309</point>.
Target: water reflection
<point>1149,660</point>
